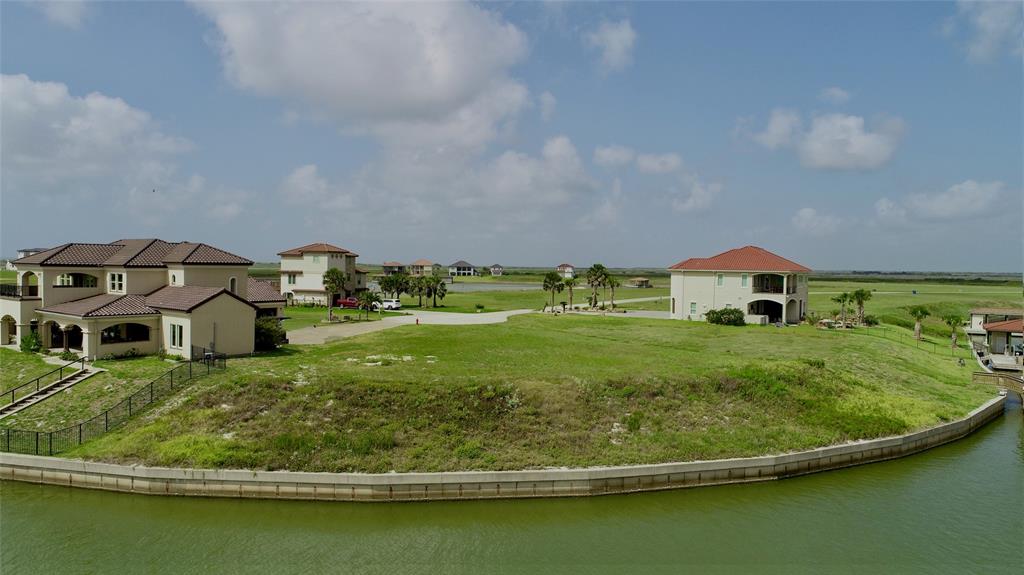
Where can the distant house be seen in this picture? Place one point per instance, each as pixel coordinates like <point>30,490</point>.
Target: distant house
<point>767,287</point>
<point>566,270</point>
<point>462,268</point>
<point>393,268</point>
<point>423,268</point>
<point>303,268</point>
<point>23,253</point>
<point>1006,336</point>
<point>497,270</point>
<point>640,282</point>
<point>988,315</point>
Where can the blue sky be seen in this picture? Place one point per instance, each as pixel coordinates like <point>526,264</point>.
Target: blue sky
<point>881,136</point>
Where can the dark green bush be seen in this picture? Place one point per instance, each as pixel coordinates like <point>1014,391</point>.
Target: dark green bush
<point>68,355</point>
<point>269,334</point>
<point>870,320</point>
<point>30,343</point>
<point>727,316</point>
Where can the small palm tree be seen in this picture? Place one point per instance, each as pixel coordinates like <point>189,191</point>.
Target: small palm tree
<point>569,284</point>
<point>918,312</point>
<point>953,321</point>
<point>438,289</point>
<point>365,301</point>
<point>595,276</point>
<point>553,283</point>
<point>859,297</point>
<point>842,299</point>
<point>334,283</point>
<point>612,282</point>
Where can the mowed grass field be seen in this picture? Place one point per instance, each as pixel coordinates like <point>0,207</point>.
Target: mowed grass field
<point>17,368</point>
<point>466,302</point>
<point>543,391</point>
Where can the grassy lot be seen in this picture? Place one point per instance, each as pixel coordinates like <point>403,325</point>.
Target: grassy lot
<point>661,304</point>
<point>890,300</point>
<point>305,316</point>
<point>466,302</point>
<point>17,368</point>
<point>90,397</point>
<point>544,391</point>
<point>8,276</point>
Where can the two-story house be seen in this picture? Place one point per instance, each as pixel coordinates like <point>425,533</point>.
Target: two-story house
<point>423,267</point>
<point>767,287</point>
<point>566,271</point>
<point>462,268</point>
<point>392,268</point>
<point>303,268</point>
<point>497,270</point>
<point>135,295</point>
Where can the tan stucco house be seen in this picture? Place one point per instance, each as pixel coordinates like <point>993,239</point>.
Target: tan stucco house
<point>423,267</point>
<point>567,271</point>
<point>767,287</point>
<point>136,296</point>
<point>303,268</point>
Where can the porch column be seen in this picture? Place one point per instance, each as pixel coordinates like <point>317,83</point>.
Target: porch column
<point>64,338</point>
<point>89,347</point>
<point>784,292</point>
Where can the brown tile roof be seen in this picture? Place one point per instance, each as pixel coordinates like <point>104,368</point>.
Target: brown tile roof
<point>393,264</point>
<point>133,253</point>
<point>1010,311</point>
<point>461,264</point>
<point>422,263</point>
<point>317,248</point>
<point>747,258</point>
<point>1006,326</point>
<point>104,305</point>
<point>187,298</point>
<point>262,291</point>
<point>565,266</point>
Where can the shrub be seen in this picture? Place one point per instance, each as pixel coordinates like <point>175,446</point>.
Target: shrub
<point>269,334</point>
<point>633,421</point>
<point>30,343</point>
<point>870,320</point>
<point>727,316</point>
<point>68,355</point>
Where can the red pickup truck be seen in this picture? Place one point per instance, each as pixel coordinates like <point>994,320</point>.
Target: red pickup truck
<point>348,302</point>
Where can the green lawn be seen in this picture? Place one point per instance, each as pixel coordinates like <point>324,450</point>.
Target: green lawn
<point>544,391</point>
<point>17,368</point>
<point>305,316</point>
<point>661,304</point>
<point>890,300</point>
<point>90,397</point>
<point>466,302</point>
<point>8,276</point>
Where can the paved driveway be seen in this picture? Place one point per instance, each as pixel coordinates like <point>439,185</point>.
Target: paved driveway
<point>321,333</point>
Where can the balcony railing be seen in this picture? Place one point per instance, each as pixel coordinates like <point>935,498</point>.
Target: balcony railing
<point>18,292</point>
<point>774,289</point>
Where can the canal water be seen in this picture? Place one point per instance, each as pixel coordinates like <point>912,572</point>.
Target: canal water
<point>954,509</point>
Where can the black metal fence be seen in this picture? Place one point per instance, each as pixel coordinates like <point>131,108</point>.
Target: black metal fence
<point>18,291</point>
<point>52,442</point>
<point>40,382</point>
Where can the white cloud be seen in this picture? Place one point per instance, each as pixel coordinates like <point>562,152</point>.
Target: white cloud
<point>548,102</point>
<point>969,198</point>
<point>783,128</point>
<point>658,163</point>
<point>993,27</point>
<point>615,41</point>
<point>693,194</point>
<point>67,13</point>
<point>613,156</point>
<point>808,221</point>
<point>607,211</point>
<point>305,187</point>
<point>835,95</point>
<point>890,212</point>
<point>841,142</point>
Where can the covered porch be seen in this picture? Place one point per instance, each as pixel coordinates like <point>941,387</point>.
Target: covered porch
<point>99,337</point>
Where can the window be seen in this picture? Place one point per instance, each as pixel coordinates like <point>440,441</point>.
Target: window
<point>721,280</point>
<point>291,279</point>
<point>743,280</point>
<point>174,279</point>
<point>232,285</point>
<point>693,308</point>
<point>177,335</point>
<point>316,259</point>
<point>64,280</point>
<point>728,306</point>
<point>673,306</point>
<point>125,332</point>
<point>116,282</point>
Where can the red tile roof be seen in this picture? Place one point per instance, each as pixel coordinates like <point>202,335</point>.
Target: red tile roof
<point>133,253</point>
<point>420,263</point>
<point>104,305</point>
<point>1005,326</point>
<point>747,258</point>
<point>261,291</point>
<point>202,254</point>
<point>565,266</point>
<point>393,264</point>
<point>317,248</point>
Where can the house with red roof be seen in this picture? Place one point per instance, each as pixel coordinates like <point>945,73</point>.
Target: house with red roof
<point>567,271</point>
<point>303,268</point>
<point>136,296</point>
<point>767,287</point>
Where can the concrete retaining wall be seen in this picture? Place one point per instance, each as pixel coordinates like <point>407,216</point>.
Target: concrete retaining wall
<point>478,484</point>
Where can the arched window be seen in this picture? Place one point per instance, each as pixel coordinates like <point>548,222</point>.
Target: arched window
<point>232,284</point>
<point>174,279</point>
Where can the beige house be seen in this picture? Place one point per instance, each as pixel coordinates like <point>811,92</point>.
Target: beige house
<point>566,270</point>
<point>767,287</point>
<point>462,268</point>
<point>424,268</point>
<point>303,269</point>
<point>392,268</point>
<point>135,296</point>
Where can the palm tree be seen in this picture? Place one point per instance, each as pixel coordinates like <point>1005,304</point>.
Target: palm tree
<point>365,301</point>
<point>953,321</point>
<point>918,312</point>
<point>613,282</point>
<point>595,278</point>
<point>334,283</point>
<point>437,288</point>
<point>418,286</point>
<point>842,299</point>
<point>553,283</point>
<point>859,297</point>
<point>569,284</point>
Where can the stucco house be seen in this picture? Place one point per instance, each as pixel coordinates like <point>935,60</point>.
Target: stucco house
<point>392,268</point>
<point>135,295</point>
<point>424,267</point>
<point>462,268</point>
<point>566,270</point>
<point>989,315</point>
<point>22,253</point>
<point>767,287</point>
<point>303,268</point>
<point>497,270</point>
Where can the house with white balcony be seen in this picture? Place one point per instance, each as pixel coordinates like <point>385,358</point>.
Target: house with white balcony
<point>303,268</point>
<point>392,268</point>
<point>767,287</point>
<point>462,268</point>
<point>424,267</point>
<point>497,270</point>
<point>135,296</point>
<point>567,271</point>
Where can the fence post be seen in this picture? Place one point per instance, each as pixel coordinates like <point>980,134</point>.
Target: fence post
<point>79,433</point>
<point>190,370</point>
<point>151,392</point>
<point>49,443</point>
<point>129,406</point>
<point>37,443</point>
<point>106,421</point>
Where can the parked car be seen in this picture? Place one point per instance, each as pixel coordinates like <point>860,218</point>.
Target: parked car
<point>349,302</point>
<point>387,304</point>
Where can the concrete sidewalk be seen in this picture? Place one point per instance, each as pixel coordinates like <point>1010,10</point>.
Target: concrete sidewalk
<point>322,333</point>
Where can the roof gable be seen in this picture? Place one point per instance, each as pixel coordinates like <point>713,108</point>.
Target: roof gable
<point>262,291</point>
<point>103,305</point>
<point>1005,326</point>
<point>747,258</point>
<point>188,298</point>
<point>317,248</point>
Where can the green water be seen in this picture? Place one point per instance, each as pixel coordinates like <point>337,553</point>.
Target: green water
<point>955,509</point>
